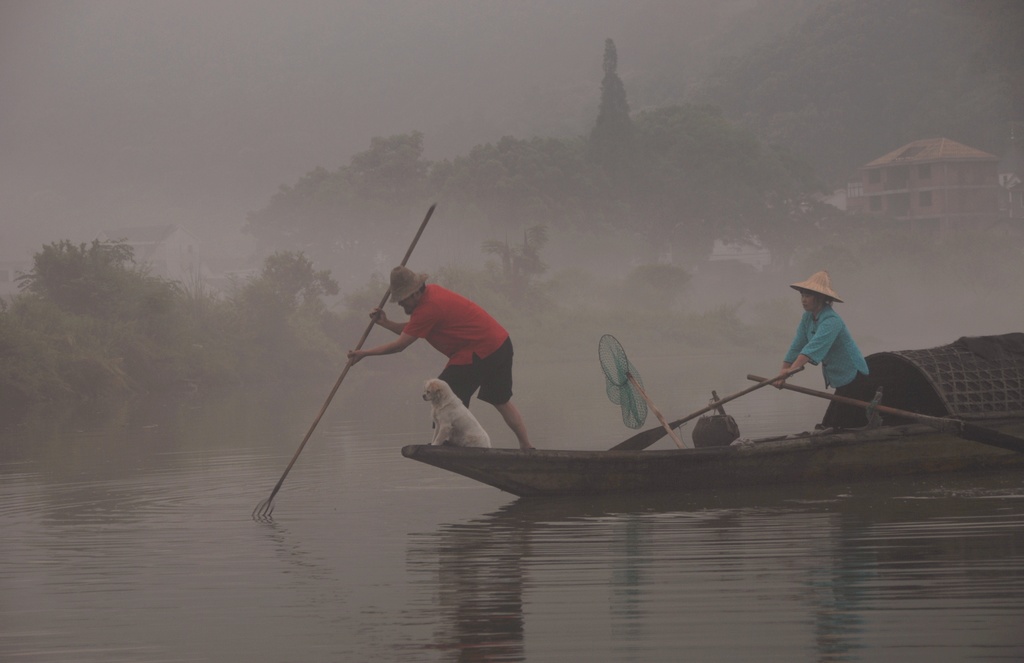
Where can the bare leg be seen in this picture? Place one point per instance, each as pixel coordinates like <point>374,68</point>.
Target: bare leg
<point>510,413</point>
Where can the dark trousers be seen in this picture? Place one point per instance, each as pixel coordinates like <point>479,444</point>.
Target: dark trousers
<point>840,415</point>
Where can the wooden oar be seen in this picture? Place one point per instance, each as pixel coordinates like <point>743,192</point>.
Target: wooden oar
<point>657,412</point>
<point>646,438</point>
<point>957,427</point>
<point>266,507</point>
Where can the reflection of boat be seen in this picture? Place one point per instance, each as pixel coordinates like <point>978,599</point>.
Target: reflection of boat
<point>975,380</point>
<point>641,577</point>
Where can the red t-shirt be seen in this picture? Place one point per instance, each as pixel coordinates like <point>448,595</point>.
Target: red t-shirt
<point>454,325</point>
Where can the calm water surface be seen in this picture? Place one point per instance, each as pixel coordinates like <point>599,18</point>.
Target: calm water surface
<point>127,537</point>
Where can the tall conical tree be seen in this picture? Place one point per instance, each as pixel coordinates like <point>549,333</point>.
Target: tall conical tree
<point>611,139</point>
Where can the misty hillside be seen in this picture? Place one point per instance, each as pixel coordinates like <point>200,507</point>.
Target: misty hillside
<point>587,158</point>
<point>119,113</point>
<point>861,77</point>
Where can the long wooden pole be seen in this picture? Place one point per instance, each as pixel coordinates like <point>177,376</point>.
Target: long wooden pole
<point>264,508</point>
<point>657,412</point>
<point>963,429</point>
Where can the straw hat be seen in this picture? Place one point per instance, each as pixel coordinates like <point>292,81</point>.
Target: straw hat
<point>819,283</point>
<point>404,282</point>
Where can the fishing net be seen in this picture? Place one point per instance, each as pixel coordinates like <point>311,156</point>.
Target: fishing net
<point>617,371</point>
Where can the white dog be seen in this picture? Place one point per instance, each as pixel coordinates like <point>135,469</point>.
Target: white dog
<point>454,424</point>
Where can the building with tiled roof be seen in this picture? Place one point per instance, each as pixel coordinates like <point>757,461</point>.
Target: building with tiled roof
<point>936,183</point>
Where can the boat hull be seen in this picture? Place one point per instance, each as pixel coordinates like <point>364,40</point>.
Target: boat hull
<point>879,453</point>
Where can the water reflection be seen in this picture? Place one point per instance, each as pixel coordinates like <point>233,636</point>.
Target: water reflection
<point>477,570</point>
<point>811,574</point>
<point>128,537</point>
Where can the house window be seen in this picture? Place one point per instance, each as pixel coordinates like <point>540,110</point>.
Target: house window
<point>874,176</point>
<point>897,177</point>
<point>925,199</point>
<point>924,171</point>
<point>899,204</point>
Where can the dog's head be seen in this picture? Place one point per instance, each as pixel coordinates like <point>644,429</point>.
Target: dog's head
<point>435,390</point>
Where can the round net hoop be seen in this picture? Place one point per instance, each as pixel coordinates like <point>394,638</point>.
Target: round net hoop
<point>617,371</point>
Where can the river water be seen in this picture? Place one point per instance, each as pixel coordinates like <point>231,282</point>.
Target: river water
<point>127,536</point>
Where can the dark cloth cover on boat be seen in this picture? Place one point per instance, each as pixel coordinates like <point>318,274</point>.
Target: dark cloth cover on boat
<point>993,348</point>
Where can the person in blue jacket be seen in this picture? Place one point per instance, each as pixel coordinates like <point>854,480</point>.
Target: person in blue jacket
<point>822,338</point>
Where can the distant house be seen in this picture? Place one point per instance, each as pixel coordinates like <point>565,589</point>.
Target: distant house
<point>745,252</point>
<point>935,184</point>
<point>168,251</point>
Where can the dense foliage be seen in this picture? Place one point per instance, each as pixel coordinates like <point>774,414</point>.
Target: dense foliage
<point>859,78</point>
<point>696,178</point>
<point>791,118</point>
<point>89,323</point>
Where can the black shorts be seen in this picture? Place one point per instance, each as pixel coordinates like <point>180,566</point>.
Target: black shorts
<point>492,375</point>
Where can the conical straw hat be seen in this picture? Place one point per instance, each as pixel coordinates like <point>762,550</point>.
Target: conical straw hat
<point>404,282</point>
<point>819,283</point>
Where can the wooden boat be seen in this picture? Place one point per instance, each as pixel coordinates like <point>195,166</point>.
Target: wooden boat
<point>957,380</point>
<point>887,451</point>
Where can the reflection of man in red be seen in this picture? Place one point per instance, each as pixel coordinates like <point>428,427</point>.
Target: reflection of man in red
<point>479,350</point>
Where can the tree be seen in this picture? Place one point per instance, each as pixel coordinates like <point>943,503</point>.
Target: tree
<point>705,178</point>
<point>102,325</point>
<point>512,182</point>
<point>310,212</point>
<point>945,68</point>
<point>392,169</point>
<point>291,282</point>
<point>97,279</point>
<point>283,320</point>
<point>611,139</point>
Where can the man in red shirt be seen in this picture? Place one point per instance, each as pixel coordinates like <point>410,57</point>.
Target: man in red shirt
<point>479,350</point>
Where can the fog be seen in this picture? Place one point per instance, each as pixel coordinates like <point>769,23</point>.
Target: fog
<point>121,113</point>
<point>118,113</point>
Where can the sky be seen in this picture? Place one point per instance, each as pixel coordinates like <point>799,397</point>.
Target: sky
<point>117,113</point>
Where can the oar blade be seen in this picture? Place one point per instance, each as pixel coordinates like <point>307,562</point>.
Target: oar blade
<point>641,440</point>
<point>991,437</point>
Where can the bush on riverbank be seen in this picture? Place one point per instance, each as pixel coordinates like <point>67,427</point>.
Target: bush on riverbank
<point>89,324</point>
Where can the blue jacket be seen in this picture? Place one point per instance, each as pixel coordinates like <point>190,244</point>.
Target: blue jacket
<point>827,341</point>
